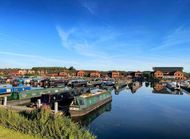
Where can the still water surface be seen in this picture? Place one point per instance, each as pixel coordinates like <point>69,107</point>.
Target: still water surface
<point>145,114</point>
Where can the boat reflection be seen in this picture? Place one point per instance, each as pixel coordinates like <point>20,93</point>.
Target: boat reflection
<point>160,88</point>
<point>134,86</point>
<point>147,84</point>
<point>84,121</point>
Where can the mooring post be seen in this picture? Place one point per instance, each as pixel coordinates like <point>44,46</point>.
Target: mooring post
<point>39,103</point>
<point>5,101</point>
<point>56,107</point>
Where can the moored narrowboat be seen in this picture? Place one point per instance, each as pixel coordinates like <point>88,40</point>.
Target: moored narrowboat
<point>35,93</point>
<point>88,102</point>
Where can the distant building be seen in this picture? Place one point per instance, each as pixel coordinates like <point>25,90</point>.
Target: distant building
<point>29,71</point>
<point>115,74</point>
<point>136,74</point>
<point>168,73</point>
<point>80,73</point>
<point>13,72</point>
<point>95,74</point>
<point>22,72</point>
<point>52,74</point>
<point>63,74</point>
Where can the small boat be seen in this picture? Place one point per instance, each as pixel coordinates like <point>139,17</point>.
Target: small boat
<point>77,83</point>
<point>95,82</point>
<point>109,82</point>
<point>88,102</point>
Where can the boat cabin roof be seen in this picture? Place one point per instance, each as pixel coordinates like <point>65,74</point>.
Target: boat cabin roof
<point>94,92</point>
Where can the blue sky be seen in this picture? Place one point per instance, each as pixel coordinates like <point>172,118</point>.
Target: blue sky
<point>95,34</point>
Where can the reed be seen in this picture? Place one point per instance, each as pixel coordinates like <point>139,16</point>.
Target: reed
<point>44,124</point>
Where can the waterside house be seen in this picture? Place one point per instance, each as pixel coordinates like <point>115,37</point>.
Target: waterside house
<point>63,74</point>
<point>115,74</point>
<point>26,71</point>
<point>136,74</point>
<point>168,73</point>
<point>80,73</point>
<point>95,74</point>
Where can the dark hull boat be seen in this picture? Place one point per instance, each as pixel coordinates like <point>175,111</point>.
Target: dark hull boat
<point>64,100</point>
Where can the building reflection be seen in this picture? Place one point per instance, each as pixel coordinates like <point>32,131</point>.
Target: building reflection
<point>88,119</point>
<point>134,86</point>
<point>160,88</point>
<point>117,91</point>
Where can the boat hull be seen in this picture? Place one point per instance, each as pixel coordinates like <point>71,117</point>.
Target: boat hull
<point>85,111</point>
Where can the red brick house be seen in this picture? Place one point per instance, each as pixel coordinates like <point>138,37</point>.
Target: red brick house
<point>168,73</point>
<point>115,74</point>
<point>13,72</point>
<point>63,74</point>
<point>158,74</point>
<point>80,73</point>
<point>95,74</point>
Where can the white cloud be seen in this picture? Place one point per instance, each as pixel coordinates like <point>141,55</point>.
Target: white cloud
<point>26,60</point>
<point>90,5</point>
<point>178,39</point>
<point>76,41</point>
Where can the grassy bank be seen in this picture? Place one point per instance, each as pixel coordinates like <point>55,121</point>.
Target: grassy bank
<point>43,124</point>
<point>11,134</point>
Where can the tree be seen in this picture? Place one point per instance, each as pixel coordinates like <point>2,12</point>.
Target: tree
<point>71,68</point>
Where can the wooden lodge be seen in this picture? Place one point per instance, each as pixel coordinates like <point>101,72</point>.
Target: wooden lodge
<point>95,74</point>
<point>80,73</point>
<point>115,74</point>
<point>168,73</point>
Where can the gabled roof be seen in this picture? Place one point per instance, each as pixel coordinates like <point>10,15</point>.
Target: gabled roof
<point>168,69</point>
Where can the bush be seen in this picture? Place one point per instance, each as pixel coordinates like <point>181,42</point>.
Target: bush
<point>44,124</point>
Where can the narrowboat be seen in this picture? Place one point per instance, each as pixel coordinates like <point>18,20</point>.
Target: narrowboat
<point>35,93</point>
<point>5,89</point>
<point>88,102</point>
<point>10,89</point>
<point>95,82</point>
<point>77,83</point>
<point>89,118</point>
<point>63,98</point>
<point>108,82</point>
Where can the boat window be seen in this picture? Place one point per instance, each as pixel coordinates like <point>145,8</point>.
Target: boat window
<point>81,102</point>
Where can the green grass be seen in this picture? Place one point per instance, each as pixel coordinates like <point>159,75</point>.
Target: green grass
<point>43,124</point>
<point>11,134</point>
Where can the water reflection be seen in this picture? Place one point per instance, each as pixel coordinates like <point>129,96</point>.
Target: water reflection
<point>138,111</point>
<point>147,84</point>
<point>88,119</point>
<point>160,88</point>
<point>133,87</point>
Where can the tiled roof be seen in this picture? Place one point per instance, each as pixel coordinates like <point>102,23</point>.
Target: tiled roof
<point>168,69</point>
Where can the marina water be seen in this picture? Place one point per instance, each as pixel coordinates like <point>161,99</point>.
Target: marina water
<point>143,114</point>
